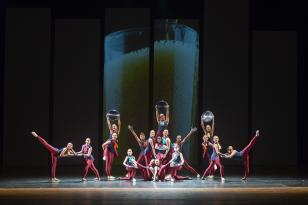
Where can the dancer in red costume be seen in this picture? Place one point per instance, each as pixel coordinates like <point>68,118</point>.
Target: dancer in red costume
<point>215,158</point>
<point>162,122</point>
<point>86,152</point>
<point>113,128</point>
<point>243,154</point>
<point>55,154</point>
<point>180,142</point>
<point>175,165</point>
<point>147,150</point>
<point>130,165</point>
<point>111,148</point>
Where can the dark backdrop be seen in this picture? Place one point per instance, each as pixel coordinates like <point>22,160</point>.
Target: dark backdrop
<point>252,58</point>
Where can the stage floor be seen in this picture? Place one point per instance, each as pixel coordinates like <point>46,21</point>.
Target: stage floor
<point>256,190</point>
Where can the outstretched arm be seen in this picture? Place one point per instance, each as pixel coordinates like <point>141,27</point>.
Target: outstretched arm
<point>188,135</point>
<point>217,150</point>
<point>134,134</point>
<point>228,156</point>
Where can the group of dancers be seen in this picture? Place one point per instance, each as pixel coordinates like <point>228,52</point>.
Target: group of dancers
<point>159,158</point>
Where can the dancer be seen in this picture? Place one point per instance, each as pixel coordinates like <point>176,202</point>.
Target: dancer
<point>86,151</point>
<point>149,151</point>
<point>131,166</point>
<point>111,147</point>
<point>162,121</point>
<point>160,148</point>
<point>113,128</point>
<point>208,133</point>
<point>215,159</point>
<point>243,154</point>
<point>143,144</point>
<point>167,142</point>
<point>180,143</point>
<point>205,147</point>
<point>55,154</point>
<point>175,164</point>
<point>207,129</point>
<point>154,167</point>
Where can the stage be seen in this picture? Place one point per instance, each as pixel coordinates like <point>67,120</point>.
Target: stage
<point>256,190</point>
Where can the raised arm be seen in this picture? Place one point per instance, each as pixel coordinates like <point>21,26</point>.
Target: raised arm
<point>157,114</point>
<point>202,125</point>
<point>167,114</point>
<point>119,125</point>
<point>134,134</point>
<point>188,135</point>
<point>213,125</point>
<point>230,155</point>
<point>109,124</point>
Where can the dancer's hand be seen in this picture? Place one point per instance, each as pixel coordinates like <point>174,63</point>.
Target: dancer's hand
<point>130,127</point>
<point>194,129</point>
<point>257,133</point>
<point>34,134</point>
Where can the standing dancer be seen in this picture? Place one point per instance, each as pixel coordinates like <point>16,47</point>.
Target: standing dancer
<point>205,147</point>
<point>243,154</point>
<point>208,134</point>
<point>180,143</point>
<point>111,148</point>
<point>162,121</point>
<point>167,142</point>
<point>149,151</point>
<point>55,154</point>
<point>131,166</point>
<point>215,159</point>
<point>86,151</point>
